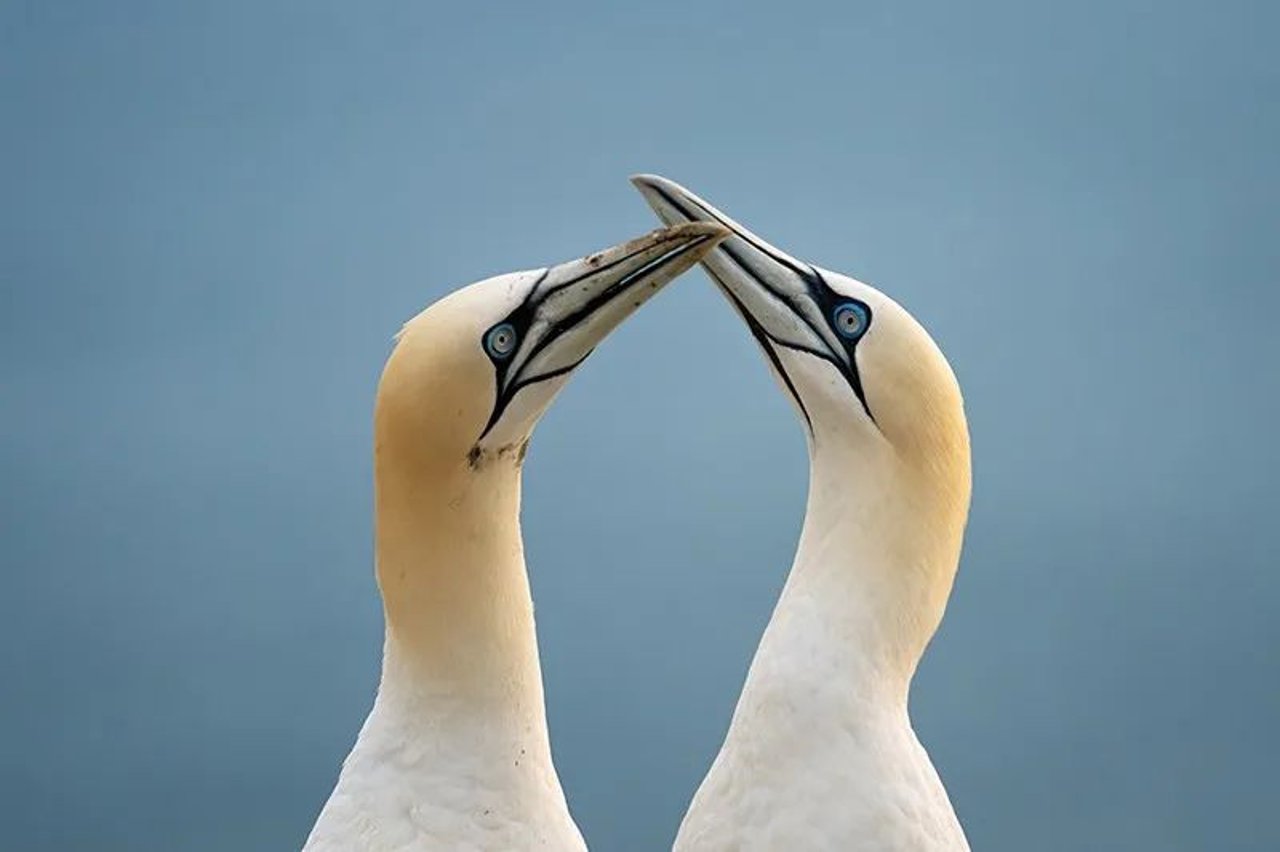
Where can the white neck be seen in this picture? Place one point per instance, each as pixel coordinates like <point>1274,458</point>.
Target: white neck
<point>820,751</point>
<point>455,753</point>
<point>872,572</point>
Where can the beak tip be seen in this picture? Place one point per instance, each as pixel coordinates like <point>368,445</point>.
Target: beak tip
<point>650,184</point>
<point>667,199</point>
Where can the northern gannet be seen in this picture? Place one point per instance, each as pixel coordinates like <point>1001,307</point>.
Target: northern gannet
<point>455,752</point>
<point>820,753</point>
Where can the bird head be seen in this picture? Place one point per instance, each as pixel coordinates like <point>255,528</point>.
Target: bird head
<point>861,371</point>
<point>471,375</point>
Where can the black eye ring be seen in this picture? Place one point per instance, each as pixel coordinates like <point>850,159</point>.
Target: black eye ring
<point>500,341</point>
<point>849,320</point>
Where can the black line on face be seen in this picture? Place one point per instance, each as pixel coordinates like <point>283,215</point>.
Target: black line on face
<point>828,299</point>
<point>521,319</point>
<point>818,290</point>
<point>763,339</point>
<point>542,377</point>
<point>741,263</point>
<point>536,284</point>
<point>568,322</point>
<point>763,248</point>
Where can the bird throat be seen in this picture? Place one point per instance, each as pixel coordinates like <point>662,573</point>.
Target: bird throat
<point>451,569</point>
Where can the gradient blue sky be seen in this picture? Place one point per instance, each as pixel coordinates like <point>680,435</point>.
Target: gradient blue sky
<point>215,216</point>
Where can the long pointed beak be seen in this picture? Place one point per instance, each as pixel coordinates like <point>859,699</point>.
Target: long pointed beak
<point>575,305</point>
<point>775,292</point>
<point>785,302</point>
<point>675,204</point>
<point>586,299</point>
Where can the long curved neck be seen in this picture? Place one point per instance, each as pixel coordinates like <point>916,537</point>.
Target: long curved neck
<point>456,749</point>
<point>871,576</point>
<point>459,615</point>
<point>820,746</point>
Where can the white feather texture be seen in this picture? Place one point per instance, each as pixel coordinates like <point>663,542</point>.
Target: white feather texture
<point>455,754</point>
<point>820,753</point>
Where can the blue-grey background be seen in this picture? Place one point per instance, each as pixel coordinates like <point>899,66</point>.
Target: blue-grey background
<point>216,215</point>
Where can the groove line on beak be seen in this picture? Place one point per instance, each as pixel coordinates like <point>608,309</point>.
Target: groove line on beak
<point>809,275</point>
<point>765,340</point>
<point>560,317</point>
<point>742,264</point>
<point>607,295</point>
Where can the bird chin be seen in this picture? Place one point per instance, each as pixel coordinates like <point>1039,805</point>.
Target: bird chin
<point>508,438</point>
<point>488,456</point>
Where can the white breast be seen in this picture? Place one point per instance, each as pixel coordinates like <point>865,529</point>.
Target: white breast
<point>412,786</point>
<point>841,787</point>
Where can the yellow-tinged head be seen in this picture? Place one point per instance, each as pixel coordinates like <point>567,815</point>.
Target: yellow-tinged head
<point>889,445</point>
<point>471,375</point>
<point>861,371</point>
<point>459,398</point>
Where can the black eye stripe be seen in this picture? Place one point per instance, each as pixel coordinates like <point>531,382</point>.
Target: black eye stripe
<point>815,284</point>
<point>521,320</point>
<point>788,300</point>
<point>827,300</point>
<point>764,339</point>
<point>830,300</point>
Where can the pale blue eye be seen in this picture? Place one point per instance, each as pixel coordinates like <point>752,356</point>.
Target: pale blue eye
<point>850,320</point>
<point>501,340</point>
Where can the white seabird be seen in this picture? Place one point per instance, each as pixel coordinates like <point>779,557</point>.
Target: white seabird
<point>455,752</point>
<point>820,753</point>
